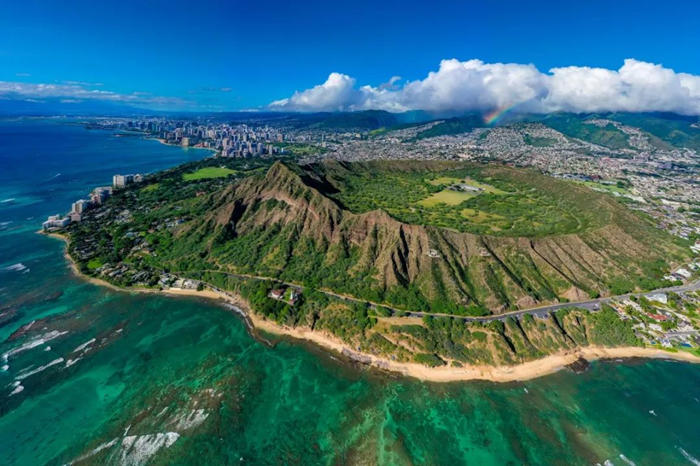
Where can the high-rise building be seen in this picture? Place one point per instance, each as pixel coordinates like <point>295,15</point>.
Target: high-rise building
<point>121,181</point>
<point>80,206</point>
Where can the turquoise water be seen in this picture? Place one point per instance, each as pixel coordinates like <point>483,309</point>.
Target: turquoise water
<point>188,370</point>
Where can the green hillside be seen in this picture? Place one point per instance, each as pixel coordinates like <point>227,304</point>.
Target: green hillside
<point>577,127</point>
<point>494,239</point>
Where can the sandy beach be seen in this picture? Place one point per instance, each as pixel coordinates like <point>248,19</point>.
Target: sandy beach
<point>525,371</point>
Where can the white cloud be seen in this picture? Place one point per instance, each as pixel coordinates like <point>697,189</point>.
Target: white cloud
<point>337,93</point>
<point>73,91</point>
<point>474,85</point>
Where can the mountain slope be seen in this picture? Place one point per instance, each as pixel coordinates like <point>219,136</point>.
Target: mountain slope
<point>284,224</point>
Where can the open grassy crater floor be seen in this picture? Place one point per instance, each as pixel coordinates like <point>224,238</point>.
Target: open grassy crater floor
<point>492,200</point>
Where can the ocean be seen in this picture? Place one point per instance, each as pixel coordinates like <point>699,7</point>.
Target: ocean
<point>125,378</point>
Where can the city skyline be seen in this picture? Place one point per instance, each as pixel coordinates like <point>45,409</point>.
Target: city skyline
<point>222,57</point>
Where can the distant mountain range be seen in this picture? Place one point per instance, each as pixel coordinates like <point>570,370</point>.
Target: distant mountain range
<point>668,129</point>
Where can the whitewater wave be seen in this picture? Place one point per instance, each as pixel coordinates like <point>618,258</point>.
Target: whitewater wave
<point>190,419</point>
<point>24,375</point>
<point>627,460</point>
<point>138,449</point>
<point>133,450</point>
<point>95,451</point>
<point>70,362</point>
<point>84,345</point>
<point>689,457</point>
<point>33,343</point>
<point>18,388</point>
<point>19,267</point>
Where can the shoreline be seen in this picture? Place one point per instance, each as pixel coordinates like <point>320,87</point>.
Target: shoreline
<point>520,372</point>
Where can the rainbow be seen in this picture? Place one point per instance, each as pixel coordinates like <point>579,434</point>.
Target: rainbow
<point>493,116</point>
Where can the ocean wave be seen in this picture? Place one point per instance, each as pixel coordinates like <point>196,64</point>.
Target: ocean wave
<point>138,449</point>
<point>19,267</point>
<point>18,388</point>
<point>84,345</point>
<point>689,457</point>
<point>33,343</point>
<point>70,362</point>
<point>627,460</point>
<point>24,375</point>
<point>190,419</point>
<point>95,451</point>
<point>133,449</point>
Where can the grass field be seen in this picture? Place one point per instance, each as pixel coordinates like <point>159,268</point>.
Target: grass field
<point>479,216</point>
<point>94,263</point>
<point>453,197</point>
<point>208,172</point>
<point>446,196</point>
<point>612,188</point>
<point>443,180</point>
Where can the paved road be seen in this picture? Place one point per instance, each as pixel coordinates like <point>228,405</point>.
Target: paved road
<point>591,304</point>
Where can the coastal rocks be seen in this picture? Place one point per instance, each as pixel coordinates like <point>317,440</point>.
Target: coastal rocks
<point>357,357</point>
<point>365,360</point>
<point>579,366</point>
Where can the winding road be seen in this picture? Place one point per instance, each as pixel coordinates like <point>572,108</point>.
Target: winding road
<point>591,304</point>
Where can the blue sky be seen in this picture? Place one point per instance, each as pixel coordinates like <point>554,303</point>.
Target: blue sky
<point>233,55</point>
